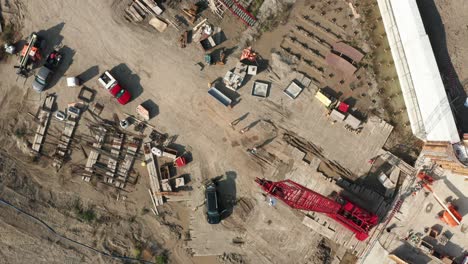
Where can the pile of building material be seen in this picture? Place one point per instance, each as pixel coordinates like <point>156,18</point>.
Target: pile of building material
<point>158,24</point>
<point>206,35</point>
<point>111,165</point>
<point>190,13</point>
<point>162,163</point>
<point>117,142</point>
<point>139,9</point>
<point>63,149</point>
<point>234,78</point>
<point>155,187</point>
<point>43,116</point>
<point>99,136</point>
<point>123,171</point>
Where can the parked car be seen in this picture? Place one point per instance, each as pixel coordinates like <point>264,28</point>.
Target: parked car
<point>110,83</point>
<point>43,76</point>
<point>211,201</point>
<point>42,79</point>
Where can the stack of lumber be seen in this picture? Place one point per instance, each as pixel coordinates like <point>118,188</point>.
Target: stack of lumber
<point>139,9</point>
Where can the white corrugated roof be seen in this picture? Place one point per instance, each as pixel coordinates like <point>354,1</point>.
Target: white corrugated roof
<point>424,93</point>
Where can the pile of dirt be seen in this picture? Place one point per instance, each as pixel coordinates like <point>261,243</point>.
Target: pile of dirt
<point>243,208</point>
<point>282,65</point>
<point>274,12</point>
<point>232,258</point>
<point>323,254</point>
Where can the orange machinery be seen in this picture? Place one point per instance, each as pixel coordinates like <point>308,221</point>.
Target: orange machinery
<point>450,215</point>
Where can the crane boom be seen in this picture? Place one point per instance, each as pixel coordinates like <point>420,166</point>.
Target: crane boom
<point>297,196</point>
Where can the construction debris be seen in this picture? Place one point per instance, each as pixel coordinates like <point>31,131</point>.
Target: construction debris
<point>100,134</point>
<point>183,39</point>
<point>139,9</point>
<point>234,78</point>
<point>153,173</point>
<point>191,13</point>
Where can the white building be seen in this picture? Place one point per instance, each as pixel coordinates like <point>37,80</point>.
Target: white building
<point>426,101</point>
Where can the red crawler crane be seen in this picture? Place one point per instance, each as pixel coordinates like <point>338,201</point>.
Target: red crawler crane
<point>297,196</point>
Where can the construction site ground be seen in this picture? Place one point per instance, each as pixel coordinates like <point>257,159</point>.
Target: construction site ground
<point>151,66</point>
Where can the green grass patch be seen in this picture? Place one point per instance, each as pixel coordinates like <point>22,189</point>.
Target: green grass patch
<point>161,259</point>
<point>87,215</point>
<point>20,132</point>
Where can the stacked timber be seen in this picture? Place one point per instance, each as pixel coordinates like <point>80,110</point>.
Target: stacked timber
<point>44,115</point>
<point>153,173</point>
<point>139,9</point>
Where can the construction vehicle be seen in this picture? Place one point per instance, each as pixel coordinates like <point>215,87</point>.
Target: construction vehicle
<point>29,54</point>
<point>43,76</point>
<point>213,215</point>
<point>351,216</point>
<point>450,216</point>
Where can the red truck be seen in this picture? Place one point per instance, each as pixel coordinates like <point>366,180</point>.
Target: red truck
<point>110,83</point>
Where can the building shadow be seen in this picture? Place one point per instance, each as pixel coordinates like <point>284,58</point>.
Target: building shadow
<point>227,193</point>
<point>127,79</point>
<point>460,201</point>
<point>262,65</point>
<point>90,73</point>
<point>435,29</point>
<point>351,101</point>
<point>410,254</point>
<point>330,92</point>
